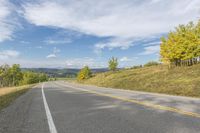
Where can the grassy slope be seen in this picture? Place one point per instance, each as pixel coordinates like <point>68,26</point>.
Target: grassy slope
<point>7,95</point>
<point>177,81</point>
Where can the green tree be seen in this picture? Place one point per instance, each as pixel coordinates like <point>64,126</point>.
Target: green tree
<point>29,78</point>
<point>84,73</point>
<point>4,75</point>
<point>32,77</point>
<point>15,74</point>
<point>112,64</point>
<point>43,77</point>
<point>10,76</point>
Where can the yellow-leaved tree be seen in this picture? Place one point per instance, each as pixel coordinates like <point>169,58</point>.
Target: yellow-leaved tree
<point>182,45</point>
<point>84,73</point>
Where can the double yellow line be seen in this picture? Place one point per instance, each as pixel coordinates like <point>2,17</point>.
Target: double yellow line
<point>147,104</point>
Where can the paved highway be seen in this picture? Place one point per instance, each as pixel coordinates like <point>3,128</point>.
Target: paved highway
<point>59,107</point>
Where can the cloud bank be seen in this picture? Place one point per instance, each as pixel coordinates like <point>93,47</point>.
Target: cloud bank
<point>8,54</point>
<point>122,21</point>
<point>8,21</point>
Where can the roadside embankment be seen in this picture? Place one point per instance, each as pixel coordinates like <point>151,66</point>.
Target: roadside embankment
<point>9,94</point>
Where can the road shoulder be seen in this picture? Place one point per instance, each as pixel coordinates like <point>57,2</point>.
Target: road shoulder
<point>25,114</point>
<point>179,104</point>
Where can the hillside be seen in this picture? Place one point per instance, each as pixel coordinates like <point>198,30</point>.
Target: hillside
<point>176,81</point>
<point>55,72</point>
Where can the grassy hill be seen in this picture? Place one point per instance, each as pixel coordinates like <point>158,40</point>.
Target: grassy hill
<point>176,81</point>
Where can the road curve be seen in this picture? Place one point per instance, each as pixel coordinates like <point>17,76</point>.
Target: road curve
<point>66,108</point>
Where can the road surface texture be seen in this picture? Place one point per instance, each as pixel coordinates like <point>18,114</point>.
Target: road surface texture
<point>60,107</point>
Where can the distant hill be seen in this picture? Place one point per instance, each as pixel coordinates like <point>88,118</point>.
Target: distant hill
<point>56,72</point>
<point>177,81</point>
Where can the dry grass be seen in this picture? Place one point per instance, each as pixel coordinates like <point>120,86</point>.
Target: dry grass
<point>177,81</point>
<point>9,94</point>
<point>6,90</point>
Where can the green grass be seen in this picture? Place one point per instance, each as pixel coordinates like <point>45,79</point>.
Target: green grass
<point>183,81</point>
<point>8,95</point>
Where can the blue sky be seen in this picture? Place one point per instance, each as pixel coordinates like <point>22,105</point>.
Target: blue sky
<point>74,33</point>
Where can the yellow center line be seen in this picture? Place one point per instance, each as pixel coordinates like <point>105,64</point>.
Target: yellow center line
<point>147,104</point>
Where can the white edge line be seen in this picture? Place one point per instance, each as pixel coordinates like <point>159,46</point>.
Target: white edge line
<point>52,127</point>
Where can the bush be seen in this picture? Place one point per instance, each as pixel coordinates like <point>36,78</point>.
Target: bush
<point>136,67</point>
<point>84,73</point>
<point>31,77</point>
<point>151,63</point>
<point>113,63</point>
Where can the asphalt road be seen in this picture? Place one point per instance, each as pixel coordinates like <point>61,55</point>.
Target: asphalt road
<point>60,107</point>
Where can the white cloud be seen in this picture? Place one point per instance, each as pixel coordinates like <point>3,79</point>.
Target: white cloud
<point>35,63</point>
<point>125,59</point>
<point>152,43</point>
<point>7,54</point>
<point>128,61</point>
<point>151,50</point>
<point>114,43</point>
<point>55,42</point>
<point>24,42</point>
<point>118,19</point>
<point>51,56</point>
<point>81,62</point>
<point>8,21</point>
<point>57,63</point>
<point>39,47</point>
<point>54,54</point>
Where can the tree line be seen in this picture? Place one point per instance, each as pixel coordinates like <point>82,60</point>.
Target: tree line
<point>181,47</point>
<point>14,76</point>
